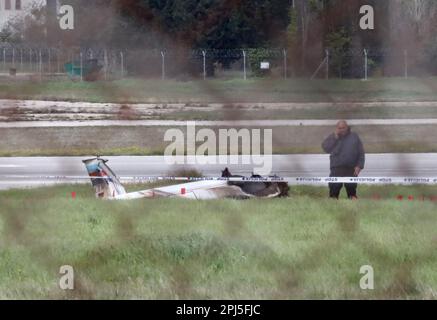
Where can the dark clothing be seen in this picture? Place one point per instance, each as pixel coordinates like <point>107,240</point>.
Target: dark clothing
<point>335,188</point>
<point>347,151</point>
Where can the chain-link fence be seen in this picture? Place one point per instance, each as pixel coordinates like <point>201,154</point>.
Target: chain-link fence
<point>365,63</point>
<point>106,64</point>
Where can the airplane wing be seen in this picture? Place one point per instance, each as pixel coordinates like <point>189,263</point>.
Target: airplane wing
<point>201,190</point>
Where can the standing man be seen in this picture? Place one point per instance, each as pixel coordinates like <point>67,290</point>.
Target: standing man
<point>347,158</point>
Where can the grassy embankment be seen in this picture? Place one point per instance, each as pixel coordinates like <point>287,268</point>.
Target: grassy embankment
<point>224,91</point>
<point>302,247</point>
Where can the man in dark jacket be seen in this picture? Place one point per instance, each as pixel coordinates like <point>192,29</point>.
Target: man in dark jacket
<point>347,158</point>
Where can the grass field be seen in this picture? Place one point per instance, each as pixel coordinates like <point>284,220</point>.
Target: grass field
<point>224,91</point>
<point>297,248</point>
<point>315,113</point>
<point>108,141</point>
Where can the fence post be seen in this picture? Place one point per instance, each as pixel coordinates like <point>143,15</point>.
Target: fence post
<point>21,60</point>
<point>406,63</point>
<point>244,65</point>
<point>50,61</point>
<point>122,64</point>
<point>204,64</point>
<point>30,60</point>
<point>327,63</point>
<point>58,69</point>
<point>163,64</point>
<point>81,66</point>
<point>365,65</point>
<point>40,64</point>
<point>105,58</point>
<point>13,57</point>
<point>4,59</point>
<point>285,63</point>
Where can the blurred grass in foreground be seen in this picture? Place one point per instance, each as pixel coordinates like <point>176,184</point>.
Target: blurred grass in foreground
<point>303,247</point>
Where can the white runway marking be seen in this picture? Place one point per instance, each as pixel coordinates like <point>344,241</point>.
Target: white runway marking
<point>11,166</point>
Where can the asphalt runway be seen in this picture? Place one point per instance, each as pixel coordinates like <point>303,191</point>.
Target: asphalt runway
<point>26,172</point>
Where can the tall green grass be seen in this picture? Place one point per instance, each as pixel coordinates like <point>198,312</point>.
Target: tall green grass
<point>302,247</point>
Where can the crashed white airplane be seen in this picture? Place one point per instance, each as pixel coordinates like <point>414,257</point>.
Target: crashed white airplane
<point>108,186</point>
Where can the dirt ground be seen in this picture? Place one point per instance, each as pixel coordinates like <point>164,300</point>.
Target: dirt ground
<point>19,110</point>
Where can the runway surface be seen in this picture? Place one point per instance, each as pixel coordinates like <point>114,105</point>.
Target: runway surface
<point>314,165</point>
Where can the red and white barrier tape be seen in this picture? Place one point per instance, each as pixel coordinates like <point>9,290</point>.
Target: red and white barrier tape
<point>290,180</point>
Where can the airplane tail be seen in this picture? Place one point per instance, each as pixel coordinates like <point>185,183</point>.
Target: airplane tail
<point>104,180</point>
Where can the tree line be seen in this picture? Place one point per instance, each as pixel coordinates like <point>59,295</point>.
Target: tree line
<point>305,28</point>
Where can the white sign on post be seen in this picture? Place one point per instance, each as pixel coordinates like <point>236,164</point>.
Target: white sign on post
<point>265,65</point>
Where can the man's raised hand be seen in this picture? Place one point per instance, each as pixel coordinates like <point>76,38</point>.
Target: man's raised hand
<point>357,171</point>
